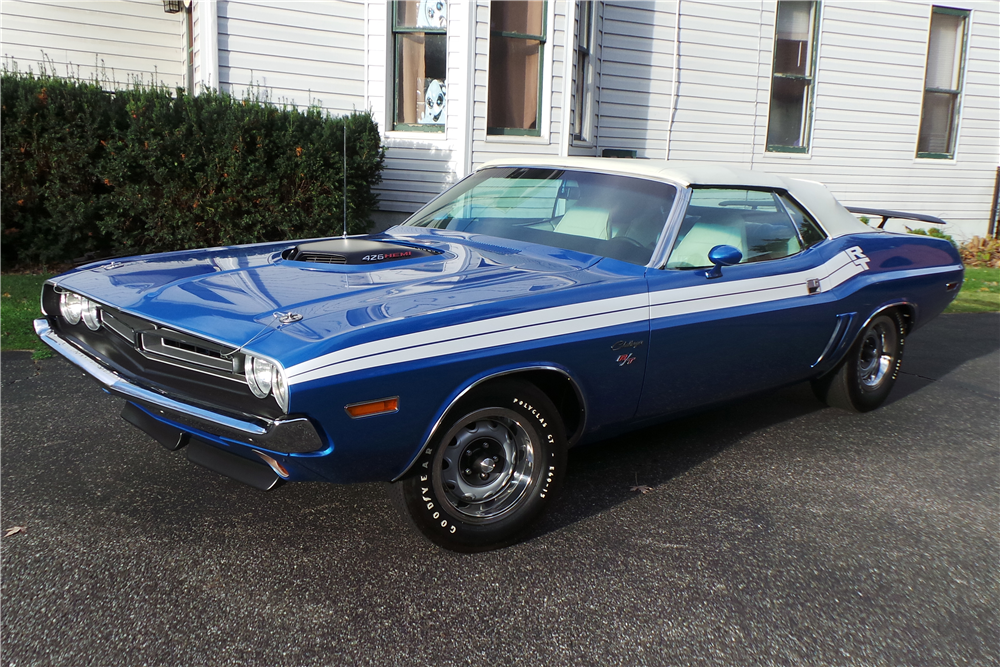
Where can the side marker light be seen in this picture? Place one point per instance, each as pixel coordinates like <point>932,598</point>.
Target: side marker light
<point>372,408</point>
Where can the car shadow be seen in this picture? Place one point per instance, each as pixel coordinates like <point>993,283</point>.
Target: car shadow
<point>607,473</point>
<point>946,343</point>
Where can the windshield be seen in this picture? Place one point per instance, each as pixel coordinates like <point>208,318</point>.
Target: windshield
<point>600,214</point>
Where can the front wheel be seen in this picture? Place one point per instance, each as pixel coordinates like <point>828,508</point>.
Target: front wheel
<point>865,377</point>
<point>492,471</point>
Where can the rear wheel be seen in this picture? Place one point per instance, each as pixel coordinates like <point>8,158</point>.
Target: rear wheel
<point>493,469</point>
<point>865,377</point>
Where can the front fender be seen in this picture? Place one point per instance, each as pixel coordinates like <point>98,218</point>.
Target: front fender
<point>481,378</point>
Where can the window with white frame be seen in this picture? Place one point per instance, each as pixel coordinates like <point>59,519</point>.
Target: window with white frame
<point>420,38</point>
<point>792,77</point>
<point>943,82</point>
<point>517,47</point>
<point>584,71</point>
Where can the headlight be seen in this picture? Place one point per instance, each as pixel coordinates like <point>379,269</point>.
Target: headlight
<point>280,388</point>
<point>258,373</point>
<point>71,307</point>
<point>91,315</point>
<point>265,378</point>
<point>75,308</point>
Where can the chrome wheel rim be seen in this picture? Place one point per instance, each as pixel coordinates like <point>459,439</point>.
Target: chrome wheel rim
<point>876,355</point>
<point>486,464</point>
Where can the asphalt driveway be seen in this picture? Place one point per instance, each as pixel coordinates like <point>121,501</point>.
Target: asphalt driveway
<point>774,532</point>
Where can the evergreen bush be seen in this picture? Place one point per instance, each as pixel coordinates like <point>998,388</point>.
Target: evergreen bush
<point>935,232</point>
<point>145,169</point>
<point>51,133</point>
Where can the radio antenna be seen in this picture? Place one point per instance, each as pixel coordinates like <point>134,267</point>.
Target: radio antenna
<point>345,178</point>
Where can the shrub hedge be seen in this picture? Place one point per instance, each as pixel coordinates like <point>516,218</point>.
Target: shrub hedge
<point>146,169</point>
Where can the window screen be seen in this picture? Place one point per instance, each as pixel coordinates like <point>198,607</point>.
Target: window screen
<point>420,42</point>
<point>792,80</point>
<point>942,83</point>
<point>517,41</point>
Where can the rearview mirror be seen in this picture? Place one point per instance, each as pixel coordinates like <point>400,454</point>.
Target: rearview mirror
<point>720,256</point>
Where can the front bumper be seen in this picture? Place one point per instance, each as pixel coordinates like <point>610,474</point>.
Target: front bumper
<point>285,435</point>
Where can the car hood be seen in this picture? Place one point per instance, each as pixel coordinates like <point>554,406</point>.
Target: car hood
<point>248,294</point>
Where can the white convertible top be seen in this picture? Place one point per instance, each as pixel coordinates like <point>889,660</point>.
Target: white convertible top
<point>820,202</point>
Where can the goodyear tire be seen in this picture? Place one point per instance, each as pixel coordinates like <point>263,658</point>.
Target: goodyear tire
<point>490,472</point>
<point>865,377</point>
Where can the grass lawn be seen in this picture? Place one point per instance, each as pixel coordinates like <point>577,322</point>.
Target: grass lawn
<point>980,294</point>
<point>18,307</point>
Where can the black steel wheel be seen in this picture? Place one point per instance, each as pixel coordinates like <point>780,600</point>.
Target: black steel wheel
<point>865,377</point>
<point>490,472</point>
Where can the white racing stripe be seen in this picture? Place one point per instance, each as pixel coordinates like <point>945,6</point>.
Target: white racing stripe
<point>479,342</point>
<point>588,316</point>
<point>584,314</point>
<point>714,296</point>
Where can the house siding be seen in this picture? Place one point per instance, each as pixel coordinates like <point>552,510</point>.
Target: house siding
<point>337,55</point>
<point>867,114</point>
<point>299,53</point>
<point>112,41</point>
<point>867,104</point>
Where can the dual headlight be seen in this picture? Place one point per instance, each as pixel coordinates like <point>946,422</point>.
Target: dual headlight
<point>74,308</point>
<point>266,378</point>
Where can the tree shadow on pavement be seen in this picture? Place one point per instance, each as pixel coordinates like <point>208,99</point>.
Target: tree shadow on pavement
<point>602,475</point>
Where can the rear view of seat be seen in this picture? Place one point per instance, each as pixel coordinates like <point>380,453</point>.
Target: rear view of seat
<point>582,221</point>
<point>720,228</point>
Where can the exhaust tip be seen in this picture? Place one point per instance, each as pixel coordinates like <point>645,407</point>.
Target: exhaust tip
<point>275,466</point>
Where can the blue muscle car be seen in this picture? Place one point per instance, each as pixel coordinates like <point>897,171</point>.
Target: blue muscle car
<point>536,305</point>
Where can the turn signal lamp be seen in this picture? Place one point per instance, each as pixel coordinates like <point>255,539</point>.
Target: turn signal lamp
<point>372,408</point>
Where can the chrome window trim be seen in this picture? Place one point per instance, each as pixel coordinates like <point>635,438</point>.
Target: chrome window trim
<point>672,228</point>
<point>785,194</point>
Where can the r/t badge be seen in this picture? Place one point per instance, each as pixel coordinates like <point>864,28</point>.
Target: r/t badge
<point>625,359</point>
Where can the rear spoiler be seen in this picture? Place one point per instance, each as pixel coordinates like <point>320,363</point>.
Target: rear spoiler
<point>895,214</point>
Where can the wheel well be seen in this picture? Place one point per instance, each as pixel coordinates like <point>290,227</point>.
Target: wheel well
<point>561,390</point>
<point>905,309</point>
<point>909,314</point>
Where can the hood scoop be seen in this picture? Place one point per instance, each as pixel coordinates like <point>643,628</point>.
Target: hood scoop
<point>355,252</point>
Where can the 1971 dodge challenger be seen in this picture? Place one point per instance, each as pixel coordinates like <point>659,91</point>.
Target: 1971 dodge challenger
<point>534,306</point>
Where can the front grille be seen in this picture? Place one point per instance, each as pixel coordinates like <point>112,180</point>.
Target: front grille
<point>173,347</point>
<point>124,325</point>
<point>321,258</point>
<point>182,350</point>
<point>180,365</point>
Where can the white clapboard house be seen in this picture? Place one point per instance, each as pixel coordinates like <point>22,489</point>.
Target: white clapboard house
<point>891,103</point>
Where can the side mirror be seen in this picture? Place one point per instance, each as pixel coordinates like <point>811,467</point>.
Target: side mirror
<point>720,256</point>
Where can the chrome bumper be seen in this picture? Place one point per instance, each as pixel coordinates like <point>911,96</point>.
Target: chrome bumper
<point>287,435</point>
